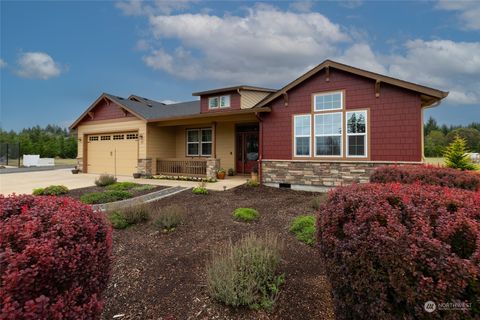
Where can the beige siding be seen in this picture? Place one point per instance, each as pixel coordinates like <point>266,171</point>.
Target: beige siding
<point>251,98</point>
<point>161,143</point>
<point>109,126</point>
<point>225,134</point>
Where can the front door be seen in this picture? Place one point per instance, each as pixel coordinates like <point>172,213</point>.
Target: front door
<point>247,148</point>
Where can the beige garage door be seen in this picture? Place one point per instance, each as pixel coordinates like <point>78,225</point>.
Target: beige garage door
<point>114,153</point>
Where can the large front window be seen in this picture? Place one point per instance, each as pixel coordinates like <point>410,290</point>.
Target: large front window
<point>328,134</point>
<point>199,142</point>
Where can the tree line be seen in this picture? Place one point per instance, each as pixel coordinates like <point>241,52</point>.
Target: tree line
<point>50,142</point>
<point>437,138</point>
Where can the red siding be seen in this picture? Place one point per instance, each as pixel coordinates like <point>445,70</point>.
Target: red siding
<point>234,102</point>
<point>104,111</point>
<point>395,116</point>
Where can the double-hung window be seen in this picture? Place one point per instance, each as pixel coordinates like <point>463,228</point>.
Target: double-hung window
<point>219,102</point>
<point>302,133</point>
<point>356,123</point>
<point>199,142</point>
<point>328,134</point>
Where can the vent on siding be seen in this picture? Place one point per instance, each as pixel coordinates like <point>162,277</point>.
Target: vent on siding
<point>285,185</point>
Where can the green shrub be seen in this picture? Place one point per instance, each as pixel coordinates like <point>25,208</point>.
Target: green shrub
<point>117,220</point>
<point>38,191</point>
<point>200,189</point>
<point>105,197</point>
<point>122,186</point>
<point>456,155</point>
<point>54,190</point>
<point>244,274</point>
<point>303,227</point>
<point>170,217</point>
<point>252,183</point>
<point>105,180</point>
<point>231,172</point>
<point>136,213</point>
<point>246,214</point>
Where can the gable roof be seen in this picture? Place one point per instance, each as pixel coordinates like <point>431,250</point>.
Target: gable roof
<point>235,88</point>
<point>429,95</point>
<point>147,109</point>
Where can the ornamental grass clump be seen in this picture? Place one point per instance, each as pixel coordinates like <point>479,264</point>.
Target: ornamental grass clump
<point>245,273</point>
<point>304,229</point>
<point>55,258</point>
<point>246,214</point>
<point>170,217</point>
<point>105,180</point>
<point>389,248</point>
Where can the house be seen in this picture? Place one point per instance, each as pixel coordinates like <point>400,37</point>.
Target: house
<point>331,126</point>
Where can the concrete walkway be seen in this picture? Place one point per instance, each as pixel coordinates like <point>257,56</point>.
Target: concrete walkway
<point>25,182</point>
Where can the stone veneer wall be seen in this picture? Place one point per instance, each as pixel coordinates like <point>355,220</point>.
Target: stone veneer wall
<point>212,166</point>
<point>318,176</point>
<point>144,166</point>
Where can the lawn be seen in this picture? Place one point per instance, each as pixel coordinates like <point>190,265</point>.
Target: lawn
<point>161,275</point>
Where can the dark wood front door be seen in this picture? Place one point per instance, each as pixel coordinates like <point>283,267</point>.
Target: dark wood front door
<point>247,148</point>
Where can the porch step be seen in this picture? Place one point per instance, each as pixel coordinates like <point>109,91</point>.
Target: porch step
<point>140,199</point>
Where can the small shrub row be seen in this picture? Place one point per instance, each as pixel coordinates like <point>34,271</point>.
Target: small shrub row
<point>54,190</point>
<point>446,177</point>
<point>200,189</point>
<point>105,197</point>
<point>122,186</point>
<point>246,214</point>
<point>55,258</point>
<point>185,178</point>
<point>105,180</point>
<point>303,227</point>
<point>389,248</point>
<point>245,273</point>
<point>170,217</point>
<point>134,214</point>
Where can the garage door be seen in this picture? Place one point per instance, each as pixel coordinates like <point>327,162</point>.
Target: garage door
<point>114,153</point>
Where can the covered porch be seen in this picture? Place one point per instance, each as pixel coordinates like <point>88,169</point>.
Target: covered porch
<point>200,147</point>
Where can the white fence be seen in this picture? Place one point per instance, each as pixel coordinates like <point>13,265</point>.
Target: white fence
<point>34,160</point>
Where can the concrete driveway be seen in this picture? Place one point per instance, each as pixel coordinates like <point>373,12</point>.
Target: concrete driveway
<point>25,182</point>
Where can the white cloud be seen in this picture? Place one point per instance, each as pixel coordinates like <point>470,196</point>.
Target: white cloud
<point>169,101</point>
<point>139,7</point>
<point>301,6</point>
<point>351,4</point>
<point>2,64</point>
<point>468,12</point>
<point>264,45</point>
<point>360,55</point>
<point>37,65</point>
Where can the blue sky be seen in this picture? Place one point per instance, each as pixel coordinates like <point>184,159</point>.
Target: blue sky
<point>57,57</point>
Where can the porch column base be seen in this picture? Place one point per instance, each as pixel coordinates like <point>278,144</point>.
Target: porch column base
<point>212,166</point>
<point>144,166</point>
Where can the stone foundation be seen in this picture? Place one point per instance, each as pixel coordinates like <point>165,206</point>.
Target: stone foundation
<point>144,166</point>
<point>317,176</point>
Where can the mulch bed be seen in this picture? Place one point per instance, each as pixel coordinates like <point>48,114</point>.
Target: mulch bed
<point>162,276</point>
<point>77,193</point>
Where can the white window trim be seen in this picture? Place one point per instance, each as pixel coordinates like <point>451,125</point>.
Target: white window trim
<point>309,136</point>
<point>199,143</point>
<point>326,94</point>
<point>357,134</point>
<point>218,102</point>
<point>327,135</point>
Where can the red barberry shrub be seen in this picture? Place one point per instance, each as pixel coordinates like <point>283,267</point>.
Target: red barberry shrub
<point>55,256</point>
<point>389,248</point>
<point>446,177</point>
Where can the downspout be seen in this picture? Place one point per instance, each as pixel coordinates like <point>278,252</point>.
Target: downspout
<point>260,146</point>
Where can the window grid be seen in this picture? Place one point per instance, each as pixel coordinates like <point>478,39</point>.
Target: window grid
<point>93,138</point>
<point>302,130</point>
<point>118,137</point>
<point>132,136</point>
<point>356,137</point>
<point>330,130</point>
<point>203,143</point>
<point>328,101</point>
<point>103,138</point>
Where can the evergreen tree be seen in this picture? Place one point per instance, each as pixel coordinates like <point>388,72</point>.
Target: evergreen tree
<point>456,155</point>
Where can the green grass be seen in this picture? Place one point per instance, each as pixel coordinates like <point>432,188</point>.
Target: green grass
<point>118,221</point>
<point>105,197</point>
<point>304,229</point>
<point>122,186</point>
<point>246,214</point>
<point>435,161</point>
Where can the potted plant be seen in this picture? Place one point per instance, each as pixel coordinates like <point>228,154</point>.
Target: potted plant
<point>137,175</point>
<point>230,172</point>
<point>75,170</point>
<point>221,174</point>
<point>255,173</point>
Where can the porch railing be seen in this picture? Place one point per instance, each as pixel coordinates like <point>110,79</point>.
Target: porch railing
<point>182,167</point>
